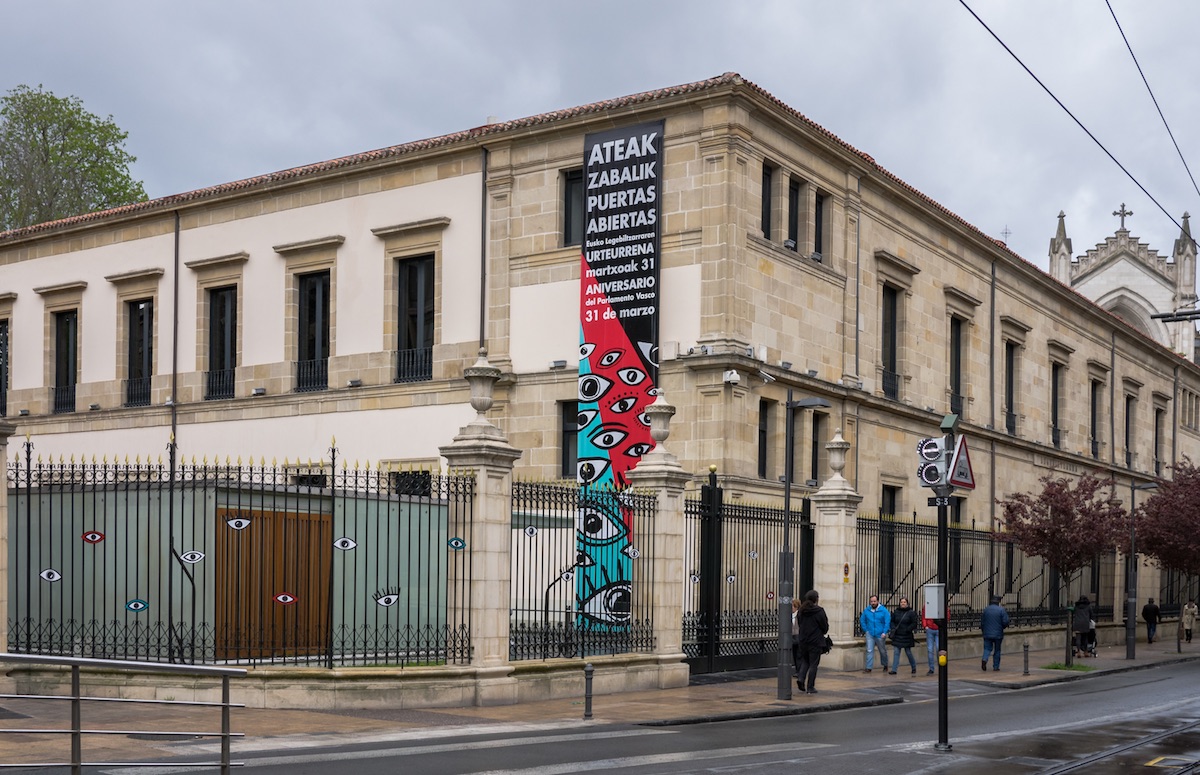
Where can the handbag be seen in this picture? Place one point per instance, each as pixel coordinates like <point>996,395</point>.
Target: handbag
<point>828,645</point>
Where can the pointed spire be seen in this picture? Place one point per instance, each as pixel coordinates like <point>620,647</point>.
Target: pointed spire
<point>1060,252</point>
<point>1185,241</point>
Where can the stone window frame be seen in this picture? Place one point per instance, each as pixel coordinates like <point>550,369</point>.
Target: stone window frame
<point>963,306</point>
<point>1098,372</point>
<point>413,239</point>
<point>301,258</point>
<point>564,181</point>
<point>1015,332</point>
<point>134,286</point>
<point>1131,389</point>
<point>892,270</point>
<point>1058,353</point>
<point>212,273</point>
<point>8,300</point>
<point>60,297</point>
<point>1160,404</point>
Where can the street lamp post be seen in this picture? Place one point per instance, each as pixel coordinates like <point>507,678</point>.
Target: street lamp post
<point>787,565</point>
<point>1131,572</point>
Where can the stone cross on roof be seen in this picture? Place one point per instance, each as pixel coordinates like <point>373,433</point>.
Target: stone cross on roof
<point>1122,213</point>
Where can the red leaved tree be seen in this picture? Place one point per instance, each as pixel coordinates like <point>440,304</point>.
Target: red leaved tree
<point>1064,525</point>
<point>1168,523</point>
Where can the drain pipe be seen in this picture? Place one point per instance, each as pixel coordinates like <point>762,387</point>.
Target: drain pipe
<point>483,236</point>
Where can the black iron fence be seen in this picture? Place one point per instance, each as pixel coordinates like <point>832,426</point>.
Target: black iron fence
<point>1175,589</point>
<point>897,557</point>
<point>232,563</point>
<point>582,582</point>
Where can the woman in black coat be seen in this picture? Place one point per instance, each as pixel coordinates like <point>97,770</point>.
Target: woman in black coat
<point>903,634</point>
<point>810,641</point>
<point>1081,625</point>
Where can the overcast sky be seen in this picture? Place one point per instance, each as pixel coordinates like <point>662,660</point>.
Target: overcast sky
<point>220,90</point>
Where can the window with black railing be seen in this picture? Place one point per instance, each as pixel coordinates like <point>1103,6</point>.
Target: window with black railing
<point>66,333</point>
<point>140,332</point>
<point>1010,386</point>
<point>1010,423</point>
<point>956,403</point>
<point>64,399</point>
<point>312,365</point>
<point>890,342</point>
<point>137,392</point>
<point>218,384</point>
<point>1056,436</point>
<point>312,375</point>
<point>3,368</point>
<point>415,313</point>
<point>1096,448</point>
<point>891,384</point>
<point>414,365</point>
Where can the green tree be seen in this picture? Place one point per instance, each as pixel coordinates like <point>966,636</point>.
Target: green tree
<point>1064,525</point>
<point>1167,523</point>
<point>58,160</point>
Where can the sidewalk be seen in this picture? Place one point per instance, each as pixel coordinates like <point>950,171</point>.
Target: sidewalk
<point>751,694</point>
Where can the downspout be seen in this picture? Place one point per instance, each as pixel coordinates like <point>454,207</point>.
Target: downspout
<point>992,392</point>
<point>1174,415</point>
<point>175,338</point>
<point>857,311</point>
<point>483,234</point>
<point>1112,399</point>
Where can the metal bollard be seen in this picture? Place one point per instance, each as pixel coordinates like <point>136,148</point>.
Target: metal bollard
<point>588,670</point>
<point>1025,648</point>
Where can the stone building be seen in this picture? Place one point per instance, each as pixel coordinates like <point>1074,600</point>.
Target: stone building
<point>267,316</point>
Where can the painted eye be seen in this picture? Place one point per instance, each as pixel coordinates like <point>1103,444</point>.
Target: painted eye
<point>694,578</point>
<point>456,543</point>
<point>284,598</point>
<point>388,600</point>
<point>637,450</point>
<point>608,437</point>
<point>632,552</point>
<point>591,469</point>
<point>593,386</point>
<point>585,417</point>
<point>137,605</point>
<point>597,527</point>
<point>345,543</point>
<point>566,575</point>
<point>631,376</point>
<point>583,560</point>
<point>752,554</point>
<point>192,557</point>
<point>644,419</point>
<point>238,523</point>
<point>730,579</point>
<point>50,575</point>
<point>609,604</point>
<point>649,352</point>
<point>624,405</point>
<point>530,531</point>
<point>93,536</point>
<point>586,349</point>
<point>611,357</point>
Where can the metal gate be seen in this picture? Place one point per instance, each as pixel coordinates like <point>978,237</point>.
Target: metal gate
<point>731,616</point>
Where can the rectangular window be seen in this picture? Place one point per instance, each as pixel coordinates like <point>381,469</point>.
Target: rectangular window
<point>312,354</point>
<point>66,343</point>
<point>414,346</point>
<point>819,226</point>
<point>888,505</point>
<point>1130,407</point>
<point>1010,387</point>
<point>890,340</point>
<point>569,440</point>
<point>1097,395</point>
<point>222,343</point>
<point>1160,422</point>
<point>956,366</point>
<point>3,368</point>
<point>793,232</point>
<point>573,207</point>
<point>768,181</point>
<point>764,436</point>
<point>818,447</point>
<point>140,330</point>
<point>1056,376</point>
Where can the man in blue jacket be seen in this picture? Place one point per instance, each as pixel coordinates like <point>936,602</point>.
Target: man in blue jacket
<point>994,621</point>
<point>875,621</point>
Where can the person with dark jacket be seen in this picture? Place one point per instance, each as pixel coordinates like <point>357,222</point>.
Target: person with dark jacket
<point>810,641</point>
<point>1081,625</point>
<point>993,623</point>
<point>903,635</point>
<point>1150,616</point>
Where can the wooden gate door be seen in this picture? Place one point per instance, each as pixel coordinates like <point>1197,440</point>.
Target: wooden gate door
<point>273,570</point>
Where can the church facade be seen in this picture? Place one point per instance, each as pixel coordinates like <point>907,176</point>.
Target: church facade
<point>339,304</point>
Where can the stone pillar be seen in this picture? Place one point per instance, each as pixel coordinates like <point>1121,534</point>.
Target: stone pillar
<point>481,447</point>
<point>660,473</point>
<point>835,514</point>
<point>7,429</point>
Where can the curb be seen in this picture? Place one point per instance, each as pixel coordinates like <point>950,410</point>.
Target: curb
<point>772,712</point>
<point>1076,676</point>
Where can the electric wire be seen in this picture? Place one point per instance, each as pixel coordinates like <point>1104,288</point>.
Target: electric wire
<point>1066,110</point>
<point>1152,97</point>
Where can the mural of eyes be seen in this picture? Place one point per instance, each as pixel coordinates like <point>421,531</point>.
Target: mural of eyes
<point>644,419</point>
<point>591,469</point>
<point>50,575</point>
<point>285,598</point>
<point>530,531</point>
<point>649,352</point>
<point>137,605</point>
<point>345,543</point>
<point>637,450</point>
<point>631,376</point>
<point>632,552</point>
<point>586,349</point>
<point>583,560</point>
<point>456,543</point>
<point>192,557</point>
<point>93,536</point>
<point>607,437</point>
<point>387,597</point>
<point>566,575</point>
<point>585,417</point>
<point>611,357</point>
<point>238,523</point>
<point>609,604</point>
<point>694,578</point>
<point>597,527</point>
<point>592,387</point>
<point>623,405</point>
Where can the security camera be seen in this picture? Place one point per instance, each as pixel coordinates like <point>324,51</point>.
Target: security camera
<point>732,377</point>
<point>767,378</point>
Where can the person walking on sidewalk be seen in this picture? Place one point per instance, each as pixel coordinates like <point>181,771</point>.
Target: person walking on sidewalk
<point>796,635</point>
<point>1187,619</point>
<point>813,626</point>
<point>875,622</point>
<point>993,623</point>
<point>932,638</point>
<point>1081,625</point>
<point>1150,616</point>
<point>903,634</point>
